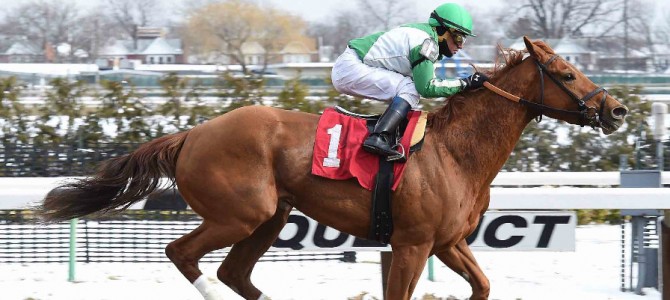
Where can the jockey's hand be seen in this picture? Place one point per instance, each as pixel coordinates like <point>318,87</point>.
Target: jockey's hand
<point>474,81</point>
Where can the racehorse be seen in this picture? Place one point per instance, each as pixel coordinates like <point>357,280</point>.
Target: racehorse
<point>244,171</point>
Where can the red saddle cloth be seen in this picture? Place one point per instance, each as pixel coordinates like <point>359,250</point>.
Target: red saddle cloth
<point>338,149</point>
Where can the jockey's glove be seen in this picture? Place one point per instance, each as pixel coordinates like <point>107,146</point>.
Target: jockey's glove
<point>473,81</point>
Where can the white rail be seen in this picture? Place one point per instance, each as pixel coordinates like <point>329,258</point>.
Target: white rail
<point>16,193</point>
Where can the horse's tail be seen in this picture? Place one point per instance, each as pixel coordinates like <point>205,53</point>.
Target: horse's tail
<point>118,183</point>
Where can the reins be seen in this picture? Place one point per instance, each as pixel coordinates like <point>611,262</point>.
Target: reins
<point>586,115</point>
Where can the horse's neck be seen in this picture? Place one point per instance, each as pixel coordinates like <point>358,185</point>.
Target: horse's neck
<point>483,132</point>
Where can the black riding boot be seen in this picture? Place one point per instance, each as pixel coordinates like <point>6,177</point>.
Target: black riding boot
<point>379,141</point>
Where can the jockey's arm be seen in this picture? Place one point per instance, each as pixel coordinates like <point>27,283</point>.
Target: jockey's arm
<point>427,84</point>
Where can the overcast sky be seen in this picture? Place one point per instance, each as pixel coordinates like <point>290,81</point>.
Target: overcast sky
<point>316,10</point>
<point>309,10</point>
<point>322,9</point>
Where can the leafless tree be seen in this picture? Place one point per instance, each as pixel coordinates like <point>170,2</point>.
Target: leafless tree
<point>560,18</point>
<point>44,25</point>
<point>240,30</point>
<point>663,31</point>
<point>487,25</point>
<point>131,14</point>
<point>384,14</point>
<point>642,30</point>
<point>343,27</point>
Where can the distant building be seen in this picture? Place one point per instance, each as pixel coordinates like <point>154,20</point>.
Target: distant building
<point>19,50</point>
<point>575,51</point>
<point>298,51</point>
<point>149,47</point>
<point>602,58</point>
<point>661,57</point>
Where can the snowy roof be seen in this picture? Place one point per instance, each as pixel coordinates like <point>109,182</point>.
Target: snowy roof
<point>296,47</point>
<point>21,48</point>
<point>161,46</point>
<point>118,48</point>
<point>251,48</point>
<point>144,46</point>
<point>570,46</point>
<point>560,46</point>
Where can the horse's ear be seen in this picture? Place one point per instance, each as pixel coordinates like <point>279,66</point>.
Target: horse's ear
<point>533,50</point>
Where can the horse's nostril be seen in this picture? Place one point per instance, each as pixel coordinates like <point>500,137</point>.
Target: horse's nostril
<point>620,112</point>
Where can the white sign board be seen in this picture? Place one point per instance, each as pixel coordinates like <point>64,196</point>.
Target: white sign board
<point>511,231</point>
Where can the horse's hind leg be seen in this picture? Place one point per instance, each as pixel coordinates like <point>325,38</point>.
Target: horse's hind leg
<point>186,251</point>
<point>460,259</point>
<point>235,271</point>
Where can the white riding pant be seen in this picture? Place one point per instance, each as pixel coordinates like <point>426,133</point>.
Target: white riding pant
<point>352,77</point>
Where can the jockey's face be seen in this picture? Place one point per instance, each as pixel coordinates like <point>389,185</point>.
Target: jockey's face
<point>448,45</point>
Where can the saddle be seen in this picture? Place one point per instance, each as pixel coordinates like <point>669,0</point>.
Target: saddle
<point>381,227</point>
<point>371,120</point>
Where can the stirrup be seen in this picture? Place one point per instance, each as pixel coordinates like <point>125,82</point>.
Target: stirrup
<point>400,157</point>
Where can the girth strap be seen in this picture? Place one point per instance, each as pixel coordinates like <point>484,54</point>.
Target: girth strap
<point>381,221</point>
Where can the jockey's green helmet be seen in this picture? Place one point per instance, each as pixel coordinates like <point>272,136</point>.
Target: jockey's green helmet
<point>453,16</point>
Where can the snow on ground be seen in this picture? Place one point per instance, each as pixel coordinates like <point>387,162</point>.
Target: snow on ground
<point>592,272</point>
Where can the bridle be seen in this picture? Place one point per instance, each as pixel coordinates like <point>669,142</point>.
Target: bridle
<point>587,115</point>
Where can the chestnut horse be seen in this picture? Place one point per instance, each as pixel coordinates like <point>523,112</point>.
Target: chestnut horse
<point>244,171</point>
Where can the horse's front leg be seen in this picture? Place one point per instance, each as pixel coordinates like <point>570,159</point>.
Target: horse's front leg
<point>460,259</point>
<point>406,266</point>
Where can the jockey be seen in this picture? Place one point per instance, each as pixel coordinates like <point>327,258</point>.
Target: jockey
<point>399,64</point>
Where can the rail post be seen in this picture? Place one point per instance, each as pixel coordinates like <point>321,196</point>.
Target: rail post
<point>431,266</point>
<point>73,250</point>
<point>658,112</point>
<point>665,256</point>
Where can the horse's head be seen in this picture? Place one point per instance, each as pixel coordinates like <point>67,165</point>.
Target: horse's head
<point>571,96</point>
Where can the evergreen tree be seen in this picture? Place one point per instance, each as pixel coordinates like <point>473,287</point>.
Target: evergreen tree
<point>238,91</point>
<point>62,107</point>
<point>294,97</point>
<point>13,115</point>
<point>183,105</point>
<point>123,108</point>
<point>536,149</point>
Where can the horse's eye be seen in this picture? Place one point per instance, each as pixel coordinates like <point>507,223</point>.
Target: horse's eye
<point>569,77</point>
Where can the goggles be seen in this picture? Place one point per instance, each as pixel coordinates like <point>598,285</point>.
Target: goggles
<point>458,37</point>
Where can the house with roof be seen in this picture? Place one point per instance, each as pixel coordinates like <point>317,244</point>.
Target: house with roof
<point>296,51</point>
<point>150,46</point>
<point>578,52</point>
<point>661,57</point>
<point>299,52</point>
<point>19,50</point>
<point>575,51</point>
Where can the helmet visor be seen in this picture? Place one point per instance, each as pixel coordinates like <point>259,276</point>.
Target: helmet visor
<point>448,24</point>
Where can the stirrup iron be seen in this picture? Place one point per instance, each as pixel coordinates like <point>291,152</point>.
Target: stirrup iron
<point>400,157</point>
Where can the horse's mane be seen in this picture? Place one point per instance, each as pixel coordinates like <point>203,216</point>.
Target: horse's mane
<point>505,60</point>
